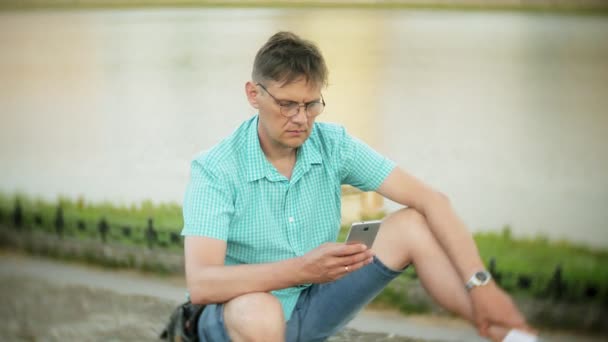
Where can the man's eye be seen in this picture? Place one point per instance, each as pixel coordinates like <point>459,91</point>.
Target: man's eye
<point>288,104</point>
<point>313,105</point>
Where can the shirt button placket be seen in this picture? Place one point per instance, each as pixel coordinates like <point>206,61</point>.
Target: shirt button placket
<point>291,224</point>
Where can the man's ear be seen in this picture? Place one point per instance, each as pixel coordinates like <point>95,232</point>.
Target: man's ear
<point>251,90</point>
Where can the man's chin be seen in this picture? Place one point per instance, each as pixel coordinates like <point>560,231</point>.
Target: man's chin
<point>293,145</point>
<point>295,142</point>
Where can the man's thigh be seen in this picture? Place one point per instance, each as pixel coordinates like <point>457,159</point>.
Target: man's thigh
<point>211,326</point>
<point>324,309</point>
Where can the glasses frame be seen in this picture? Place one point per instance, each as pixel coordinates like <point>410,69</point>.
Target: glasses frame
<point>305,105</point>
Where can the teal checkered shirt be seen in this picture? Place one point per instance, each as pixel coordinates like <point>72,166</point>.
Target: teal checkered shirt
<point>236,195</point>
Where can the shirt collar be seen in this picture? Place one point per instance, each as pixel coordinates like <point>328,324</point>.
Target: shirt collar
<point>259,167</point>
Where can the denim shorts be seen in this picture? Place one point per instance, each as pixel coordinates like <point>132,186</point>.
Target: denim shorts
<point>322,310</point>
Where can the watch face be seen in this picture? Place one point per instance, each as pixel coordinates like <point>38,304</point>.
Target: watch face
<point>478,279</point>
<point>482,276</point>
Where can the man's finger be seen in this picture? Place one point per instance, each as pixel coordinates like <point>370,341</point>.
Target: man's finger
<point>360,264</point>
<point>352,258</point>
<point>349,249</point>
<point>355,258</point>
<point>523,325</point>
<point>345,270</point>
<point>515,320</point>
<point>482,327</point>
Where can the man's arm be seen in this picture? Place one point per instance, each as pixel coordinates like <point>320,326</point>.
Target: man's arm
<point>490,304</point>
<point>209,281</point>
<point>446,226</point>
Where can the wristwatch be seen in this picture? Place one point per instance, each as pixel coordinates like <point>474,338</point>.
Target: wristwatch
<point>478,279</point>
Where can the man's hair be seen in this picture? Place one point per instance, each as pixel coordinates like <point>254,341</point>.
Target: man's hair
<point>286,57</point>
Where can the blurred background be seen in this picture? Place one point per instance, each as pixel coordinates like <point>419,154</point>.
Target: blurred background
<point>503,108</point>
<point>505,112</point>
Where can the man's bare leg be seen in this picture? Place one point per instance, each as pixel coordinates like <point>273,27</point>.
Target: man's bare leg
<point>405,238</point>
<point>255,317</point>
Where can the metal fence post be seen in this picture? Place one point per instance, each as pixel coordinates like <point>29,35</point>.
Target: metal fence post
<point>18,215</point>
<point>103,228</point>
<point>556,285</point>
<point>59,221</point>
<point>151,235</point>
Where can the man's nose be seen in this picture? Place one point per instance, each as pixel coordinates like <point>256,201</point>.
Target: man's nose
<point>301,117</point>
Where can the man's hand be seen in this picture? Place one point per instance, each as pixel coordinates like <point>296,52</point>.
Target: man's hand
<point>493,307</point>
<point>332,261</point>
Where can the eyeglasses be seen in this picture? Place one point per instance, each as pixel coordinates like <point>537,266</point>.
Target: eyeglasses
<point>292,108</point>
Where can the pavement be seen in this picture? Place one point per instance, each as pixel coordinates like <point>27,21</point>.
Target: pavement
<point>173,289</point>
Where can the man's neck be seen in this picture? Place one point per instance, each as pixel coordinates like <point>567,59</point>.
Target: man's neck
<point>280,154</point>
<point>281,157</point>
<point>275,152</point>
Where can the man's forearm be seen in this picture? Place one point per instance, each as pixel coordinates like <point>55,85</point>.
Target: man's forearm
<point>219,283</point>
<point>453,236</point>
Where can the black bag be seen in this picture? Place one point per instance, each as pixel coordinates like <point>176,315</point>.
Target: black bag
<point>182,326</point>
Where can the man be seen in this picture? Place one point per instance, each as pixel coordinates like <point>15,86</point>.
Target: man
<point>262,212</point>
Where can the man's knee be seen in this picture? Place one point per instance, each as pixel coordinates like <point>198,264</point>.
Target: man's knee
<point>409,215</point>
<point>404,223</point>
<point>400,233</point>
<point>255,317</point>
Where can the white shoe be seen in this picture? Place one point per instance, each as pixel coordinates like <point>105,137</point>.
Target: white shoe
<point>520,336</point>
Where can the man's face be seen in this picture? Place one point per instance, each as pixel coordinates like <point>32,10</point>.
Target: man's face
<point>277,130</point>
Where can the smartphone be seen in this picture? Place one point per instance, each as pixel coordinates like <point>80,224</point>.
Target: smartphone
<point>363,232</point>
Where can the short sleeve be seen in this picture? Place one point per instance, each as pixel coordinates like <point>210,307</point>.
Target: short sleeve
<point>208,204</point>
<point>361,166</point>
